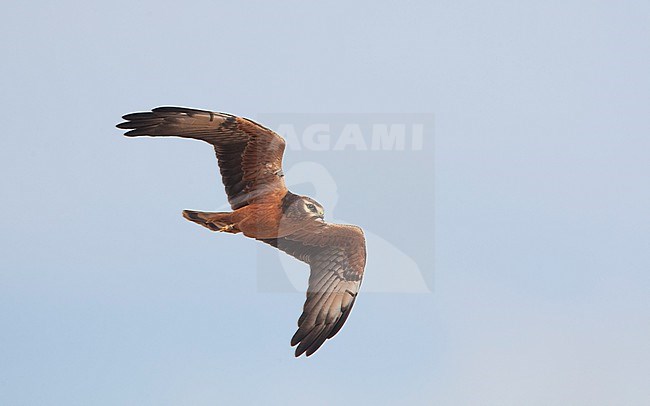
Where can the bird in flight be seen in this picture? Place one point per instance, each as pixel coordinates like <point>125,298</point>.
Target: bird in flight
<point>250,161</point>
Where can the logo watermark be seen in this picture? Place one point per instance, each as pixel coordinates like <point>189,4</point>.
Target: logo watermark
<point>370,170</point>
<point>353,137</point>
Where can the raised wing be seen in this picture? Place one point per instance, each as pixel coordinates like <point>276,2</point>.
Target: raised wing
<point>249,155</point>
<point>337,257</point>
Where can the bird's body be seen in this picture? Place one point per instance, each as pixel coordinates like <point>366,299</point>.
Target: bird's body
<point>250,162</point>
<point>268,217</point>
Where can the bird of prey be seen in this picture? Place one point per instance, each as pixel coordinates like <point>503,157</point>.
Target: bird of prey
<point>250,161</point>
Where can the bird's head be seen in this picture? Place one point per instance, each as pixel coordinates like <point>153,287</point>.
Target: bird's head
<point>311,208</point>
<point>301,208</point>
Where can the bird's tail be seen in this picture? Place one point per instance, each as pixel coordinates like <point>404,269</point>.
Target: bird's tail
<point>214,221</point>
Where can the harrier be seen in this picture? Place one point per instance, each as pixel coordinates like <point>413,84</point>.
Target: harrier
<point>250,162</point>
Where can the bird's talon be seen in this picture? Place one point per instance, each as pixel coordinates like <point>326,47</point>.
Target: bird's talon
<point>226,228</point>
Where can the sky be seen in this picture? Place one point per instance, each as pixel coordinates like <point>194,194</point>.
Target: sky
<point>508,257</point>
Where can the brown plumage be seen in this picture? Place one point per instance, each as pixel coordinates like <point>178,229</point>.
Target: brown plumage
<point>250,162</point>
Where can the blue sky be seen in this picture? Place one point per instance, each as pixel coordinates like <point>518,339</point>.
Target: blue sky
<point>540,220</point>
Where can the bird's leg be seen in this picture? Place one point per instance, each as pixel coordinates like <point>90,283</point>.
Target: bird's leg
<point>226,228</point>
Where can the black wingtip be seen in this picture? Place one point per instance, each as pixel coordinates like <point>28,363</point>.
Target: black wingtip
<point>299,352</point>
<point>310,343</point>
<point>175,109</point>
<point>128,125</point>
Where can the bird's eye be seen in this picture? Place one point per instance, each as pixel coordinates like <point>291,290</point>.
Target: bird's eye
<point>311,207</point>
